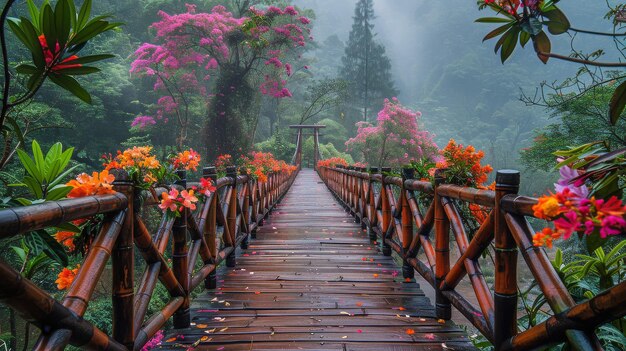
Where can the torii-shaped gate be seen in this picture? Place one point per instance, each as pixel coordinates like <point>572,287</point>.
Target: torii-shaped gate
<point>297,157</point>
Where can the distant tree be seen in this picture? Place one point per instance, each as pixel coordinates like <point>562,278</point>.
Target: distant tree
<point>395,140</point>
<point>365,64</point>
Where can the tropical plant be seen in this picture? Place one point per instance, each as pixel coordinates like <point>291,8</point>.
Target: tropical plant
<point>54,36</point>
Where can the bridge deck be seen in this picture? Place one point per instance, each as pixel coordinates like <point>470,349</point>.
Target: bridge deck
<point>312,280</point>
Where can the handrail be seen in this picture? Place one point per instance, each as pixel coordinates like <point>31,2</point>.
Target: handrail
<point>234,211</point>
<point>404,222</point>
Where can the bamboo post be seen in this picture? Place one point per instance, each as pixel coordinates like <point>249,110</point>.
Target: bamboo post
<point>407,224</point>
<point>182,317</point>
<point>231,216</point>
<point>442,249</point>
<point>123,263</point>
<point>387,218</point>
<point>210,234</point>
<point>505,294</point>
<point>245,207</point>
<point>371,204</point>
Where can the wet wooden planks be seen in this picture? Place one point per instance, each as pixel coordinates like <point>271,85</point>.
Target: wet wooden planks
<point>312,280</point>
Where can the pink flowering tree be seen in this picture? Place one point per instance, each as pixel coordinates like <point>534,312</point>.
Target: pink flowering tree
<point>394,140</point>
<point>220,60</point>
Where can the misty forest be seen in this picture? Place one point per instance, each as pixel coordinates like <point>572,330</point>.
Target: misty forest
<point>313,174</point>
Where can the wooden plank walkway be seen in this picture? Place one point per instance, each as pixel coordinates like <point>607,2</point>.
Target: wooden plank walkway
<point>312,280</point>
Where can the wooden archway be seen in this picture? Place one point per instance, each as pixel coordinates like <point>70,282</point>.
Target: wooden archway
<point>297,157</point>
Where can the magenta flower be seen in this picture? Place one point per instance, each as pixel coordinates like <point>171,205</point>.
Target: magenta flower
<point>612,225</point>
<point>567,224</point>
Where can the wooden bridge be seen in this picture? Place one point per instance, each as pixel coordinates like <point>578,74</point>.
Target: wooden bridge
<point>309,275</point>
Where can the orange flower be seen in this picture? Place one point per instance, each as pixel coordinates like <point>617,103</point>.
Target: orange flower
<point>66,277</point>
<point>410,331</point>
<point>188,159</point>
<point>545,237</point>
<point>66,238</point>
<point>96,184</point>
<point>547,207</point>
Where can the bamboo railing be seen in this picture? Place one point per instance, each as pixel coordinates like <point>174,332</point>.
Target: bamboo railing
<point>231,214</point>
<point>393,210</point>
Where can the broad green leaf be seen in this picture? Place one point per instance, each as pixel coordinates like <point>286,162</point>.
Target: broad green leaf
<point>83,15</point>
<point>58,193</point>
<point>493,20</point>
<point>79,71</point>
<point>54,249</point>
<point>19,252</point>
<point>39,159</point>
<point>14,25</point>
<point>48,25</point>
<point>68,227</point>
<point>35,243</point>
<point>524,37</point>
<point>509,44</point>
<point>29,164</point>
<point>558,23</point>
<point>70,84</point>
<point>25,68</point>
<point>593,242</point>
<point>33,10</point>
<point>617,103</point>
<point>91,30</point>
<point>542,46</point>
<point>92,58</point>
<point>62,21</point>
<point>33,34</point>
<point>34,186</point>
<point>494,33</point>
<point>62,176</point>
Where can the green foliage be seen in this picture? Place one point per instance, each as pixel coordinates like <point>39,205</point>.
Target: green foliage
<point>45,175</point>
<point>71,28</point>
<point>279,146</point>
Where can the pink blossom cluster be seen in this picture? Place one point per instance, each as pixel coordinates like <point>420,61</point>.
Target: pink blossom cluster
<point>142,122</point>
<point>395,139</point>
<point>191,47</point>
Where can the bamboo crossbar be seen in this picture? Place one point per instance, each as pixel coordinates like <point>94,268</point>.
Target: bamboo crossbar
<point>230,215</point>
<point>410,216</point>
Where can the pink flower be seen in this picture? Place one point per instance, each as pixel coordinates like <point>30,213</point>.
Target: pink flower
<point>612,225</point>
<point>567,224</point>
<point>189,199</point>
<point>168,200</point>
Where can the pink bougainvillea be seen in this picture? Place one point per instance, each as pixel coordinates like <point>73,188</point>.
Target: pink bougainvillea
<point>192,47</point>
<point>395,139</point>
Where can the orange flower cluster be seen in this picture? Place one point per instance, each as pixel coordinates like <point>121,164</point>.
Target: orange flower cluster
<point>67,239</point>
<point>261,164</point>
<point>138,161</point>
<point>66,277</point>
<point>573,214</point>
<point>223,161</point>
<point>187,160</point>
<point>89,185</point>
<point>463,164</point>
<point>332,162</point>
<point>174,202</point>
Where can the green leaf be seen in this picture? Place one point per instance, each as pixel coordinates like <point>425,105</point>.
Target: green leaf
<point>79,71</point>
<point>34,186</point>
<point>33,35</point>
<point>509,44</point>
<point>592,242</point>
<point>48,25</point>
<point>62,176</point>
<point>29,164</point>
<point>35,243</point>
<point>14,25</point>
<point>558,22</point>
<point>617,103</point>
<point>62,21</point>
<point>68,227</point>
<point>19,252</point>
<point>542,46</point>
<point>34,12</point>
<point>39,160</point>
<point>494,20</point>
<point>524,37</point>
<point>83,15</point>
<point>25,68</point>
<point>72,8</point>
<point>92,58</point>
<point>54,249</point>
<point>58,193</point>
<point>494,33</point>
<point>70,84</point>
<point>91,30</point>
